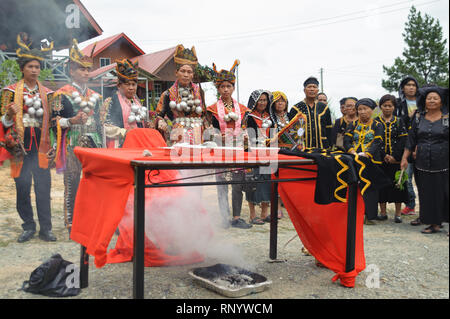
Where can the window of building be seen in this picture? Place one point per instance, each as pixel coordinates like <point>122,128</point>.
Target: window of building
<point>105,62</point>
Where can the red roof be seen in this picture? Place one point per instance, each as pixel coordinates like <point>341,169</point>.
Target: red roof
<point>105,43</point>
<point>101,70</point>
<point>154,62</point>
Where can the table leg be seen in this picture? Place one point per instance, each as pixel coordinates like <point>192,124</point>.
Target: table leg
<point>84,268</point>
<point>274,220</point>
<point>139,233</point>
<point>351,227</point>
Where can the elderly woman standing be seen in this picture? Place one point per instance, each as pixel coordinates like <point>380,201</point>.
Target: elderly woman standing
<point>363,138</point>
<point>428,136</point>
<point>341,124</point>
<point>395,135</point>
<point>258,128</point>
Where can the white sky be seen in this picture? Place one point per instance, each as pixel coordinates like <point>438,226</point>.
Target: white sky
<point>279,43</point>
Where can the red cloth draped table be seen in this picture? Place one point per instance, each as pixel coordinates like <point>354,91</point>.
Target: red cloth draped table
<point>108,179</point>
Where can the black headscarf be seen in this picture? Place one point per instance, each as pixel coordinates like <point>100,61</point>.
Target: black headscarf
<point>310,80</point>
<point>351,98</point>
<point>367,102</point>
<point>424,91</point>
<point>254,97</point>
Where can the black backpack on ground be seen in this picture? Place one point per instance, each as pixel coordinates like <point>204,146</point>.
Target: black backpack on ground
<point>52,279</point>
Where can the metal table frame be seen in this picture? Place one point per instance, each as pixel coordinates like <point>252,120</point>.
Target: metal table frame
<point>140,168</point>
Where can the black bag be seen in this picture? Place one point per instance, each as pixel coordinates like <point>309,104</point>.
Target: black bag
<point>51,279</point>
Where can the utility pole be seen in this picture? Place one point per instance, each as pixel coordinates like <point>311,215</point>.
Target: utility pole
<point>237,80</point>
<point>321,79</point>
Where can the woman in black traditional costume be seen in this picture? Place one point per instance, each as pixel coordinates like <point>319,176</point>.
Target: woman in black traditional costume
<point>341,124</point>
<point>395,135</point>
<point>258,128</point>
<point>429,135</point>
<point>363,138</point>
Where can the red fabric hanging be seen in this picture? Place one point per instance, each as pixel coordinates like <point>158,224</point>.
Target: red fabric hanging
<point>106,189</point>
<point>154,256</point>
<point>323,228</point>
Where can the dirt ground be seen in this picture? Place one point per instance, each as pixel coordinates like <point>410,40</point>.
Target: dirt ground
<point>406,263</point>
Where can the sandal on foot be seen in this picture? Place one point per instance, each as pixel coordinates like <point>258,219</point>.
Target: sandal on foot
<point>430,230</point>
<point>256,221</point>
<point>267,219</point>
<point>280,214</point>
<point>416,222</point>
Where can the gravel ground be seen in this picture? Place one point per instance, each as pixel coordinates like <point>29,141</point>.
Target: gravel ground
<point>410,264</point>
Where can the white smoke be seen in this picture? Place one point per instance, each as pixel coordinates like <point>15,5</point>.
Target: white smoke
<point>180,220</point>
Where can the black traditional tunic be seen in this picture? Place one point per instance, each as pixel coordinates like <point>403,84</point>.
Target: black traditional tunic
<point>432,167</point>
<point>367,138</point>
<point>318,131</point>
<point>394,136</point>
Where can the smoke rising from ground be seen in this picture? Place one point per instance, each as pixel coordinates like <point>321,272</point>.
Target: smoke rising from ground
<point>180,221</point>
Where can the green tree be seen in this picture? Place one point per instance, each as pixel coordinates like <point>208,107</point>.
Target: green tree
<point>10,73</point>
<point>425,55</point>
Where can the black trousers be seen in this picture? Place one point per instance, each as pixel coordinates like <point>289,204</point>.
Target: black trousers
<point>42,184</point>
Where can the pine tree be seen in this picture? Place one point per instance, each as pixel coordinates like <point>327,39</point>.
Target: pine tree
<point>425,56</point>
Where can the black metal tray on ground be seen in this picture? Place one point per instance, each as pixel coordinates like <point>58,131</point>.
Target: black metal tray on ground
<point>230,281</point>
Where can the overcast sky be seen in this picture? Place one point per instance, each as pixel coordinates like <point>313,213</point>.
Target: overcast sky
<point>279,43</point>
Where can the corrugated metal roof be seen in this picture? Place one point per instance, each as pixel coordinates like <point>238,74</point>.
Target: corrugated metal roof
<point>105,43</point>
<point>154,62</point>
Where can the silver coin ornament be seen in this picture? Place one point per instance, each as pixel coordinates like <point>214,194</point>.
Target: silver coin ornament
<point>40,112</point>
<point>131,118</point>
<point>86,110</point>
<point>226,117</point>
<point>135,108</point>
<point>83,104</point>
<point>172,104</point>
<point>78,99</point>
<point>31,111</point>
<point>187,101</point>
<point>300,131</point>
<point>198,110</point>
<point>138,113</point>
<point>75,94</point>
<point>28,101</point>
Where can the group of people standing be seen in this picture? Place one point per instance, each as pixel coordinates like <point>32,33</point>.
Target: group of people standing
<point>409,138</point>
<point>40,128</point>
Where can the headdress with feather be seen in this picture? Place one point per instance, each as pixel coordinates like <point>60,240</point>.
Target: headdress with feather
<point>77,57</point>
<point>24,51</point>
<point>224,75</point>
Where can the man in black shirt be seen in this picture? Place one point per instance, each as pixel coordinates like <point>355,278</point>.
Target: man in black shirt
<point>318,129</point>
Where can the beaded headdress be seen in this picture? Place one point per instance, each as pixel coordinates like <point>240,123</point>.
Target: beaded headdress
<point>185,56</point>
<point>224,75</point>
<point>126,70</point>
